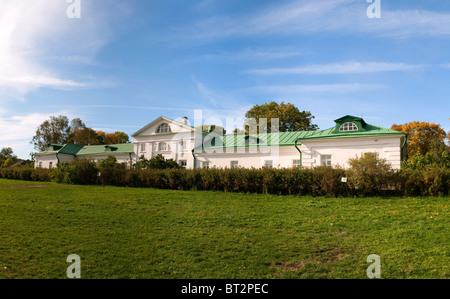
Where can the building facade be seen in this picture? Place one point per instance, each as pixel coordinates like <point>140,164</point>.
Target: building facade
<point>195,148</point>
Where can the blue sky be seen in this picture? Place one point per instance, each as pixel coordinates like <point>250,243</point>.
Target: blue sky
<point>124,63</point>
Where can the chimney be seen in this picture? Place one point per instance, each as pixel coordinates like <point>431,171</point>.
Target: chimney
<point>184,120</point>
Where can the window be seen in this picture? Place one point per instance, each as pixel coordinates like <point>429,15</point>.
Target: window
<point>183,163</point>
<point>205,164</point>
<point>268,164</point>
<point>234,164</point>
<point>164,128</point>
<point>296,163</point>
<point>162,146</point>
<point>142,147</point>
<point>50,165</point>
<point>40,165</point>
<point>325,160</point>
<point>348,127</point>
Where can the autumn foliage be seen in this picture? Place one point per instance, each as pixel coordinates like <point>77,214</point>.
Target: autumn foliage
<point>422,136</point>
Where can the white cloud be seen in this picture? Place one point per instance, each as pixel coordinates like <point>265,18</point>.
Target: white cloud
<point>33,30</point>
<point>18,130</point>
<point>351,67</point>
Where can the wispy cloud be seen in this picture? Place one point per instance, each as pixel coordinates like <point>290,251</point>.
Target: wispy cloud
<point>315,88</point>
<point>260,54</point>
<point>345,17</point>
<point>351,67</point>
<point>205,92</point>
<point>33,30</point>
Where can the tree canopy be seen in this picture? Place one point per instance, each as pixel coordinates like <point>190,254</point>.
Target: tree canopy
<point>55,130</point>
<point>290,117</point>
<point>7,157</point>
<point>59,130</point>
<point>213,128</point>
<point>422,137</point>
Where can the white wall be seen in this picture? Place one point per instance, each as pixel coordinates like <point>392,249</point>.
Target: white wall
<point>282,157</point>
<point>341,149</point>
<point>46,159</point>
<point>65,158</point>
<point>43,161</point>
<point>121,158</point>
<point>173,140</point>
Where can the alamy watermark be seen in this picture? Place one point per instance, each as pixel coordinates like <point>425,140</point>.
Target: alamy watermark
<point>74,9</point>
<point>255,136</point>
<point>374,270</point>
<point>74,270</point>
<point>374,10</point>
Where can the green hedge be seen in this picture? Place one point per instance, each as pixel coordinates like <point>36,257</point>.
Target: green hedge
<point>322,181</point>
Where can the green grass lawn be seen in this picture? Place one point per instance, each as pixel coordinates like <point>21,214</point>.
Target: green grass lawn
<point>148,233</point>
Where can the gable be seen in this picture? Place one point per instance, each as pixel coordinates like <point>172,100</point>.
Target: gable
<point>163,125</point>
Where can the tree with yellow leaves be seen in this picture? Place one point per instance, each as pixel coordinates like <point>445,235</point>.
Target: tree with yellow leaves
<point>422,137</point>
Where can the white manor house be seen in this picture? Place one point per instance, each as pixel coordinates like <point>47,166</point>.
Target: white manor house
<point>191,147</point>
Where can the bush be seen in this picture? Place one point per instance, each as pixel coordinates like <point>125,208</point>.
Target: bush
<point>369,174</point>
<point>111,172</point>
<point>79,171</point>
<point>157,162</point>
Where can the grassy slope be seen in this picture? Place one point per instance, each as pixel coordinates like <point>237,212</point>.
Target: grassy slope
<point>147,233</point>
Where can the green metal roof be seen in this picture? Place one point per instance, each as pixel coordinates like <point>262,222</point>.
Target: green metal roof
<point>68,149</point>
<point>80,150</point>
<point>289,138</point>
<point>125,148</point>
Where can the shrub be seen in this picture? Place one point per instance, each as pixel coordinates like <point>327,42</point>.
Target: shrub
<point>157,162</point>
<point>369,174</point>
<point>79,171</point>
<point>112,172</point>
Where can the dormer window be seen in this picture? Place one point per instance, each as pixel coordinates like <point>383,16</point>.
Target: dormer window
<point>348,127</point>
<point>164,128</point>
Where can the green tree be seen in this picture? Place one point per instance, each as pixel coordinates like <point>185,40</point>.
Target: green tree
<point>7,154</point>
<point>55,130</point>
<point>290,118</point>
<point>8,162</point>
<point>83,136</point>
<point>213,128</point>
<point>122,137</point>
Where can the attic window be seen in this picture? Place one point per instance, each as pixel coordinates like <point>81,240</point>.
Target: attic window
<point>164,128</point>
<point>348,127</point>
